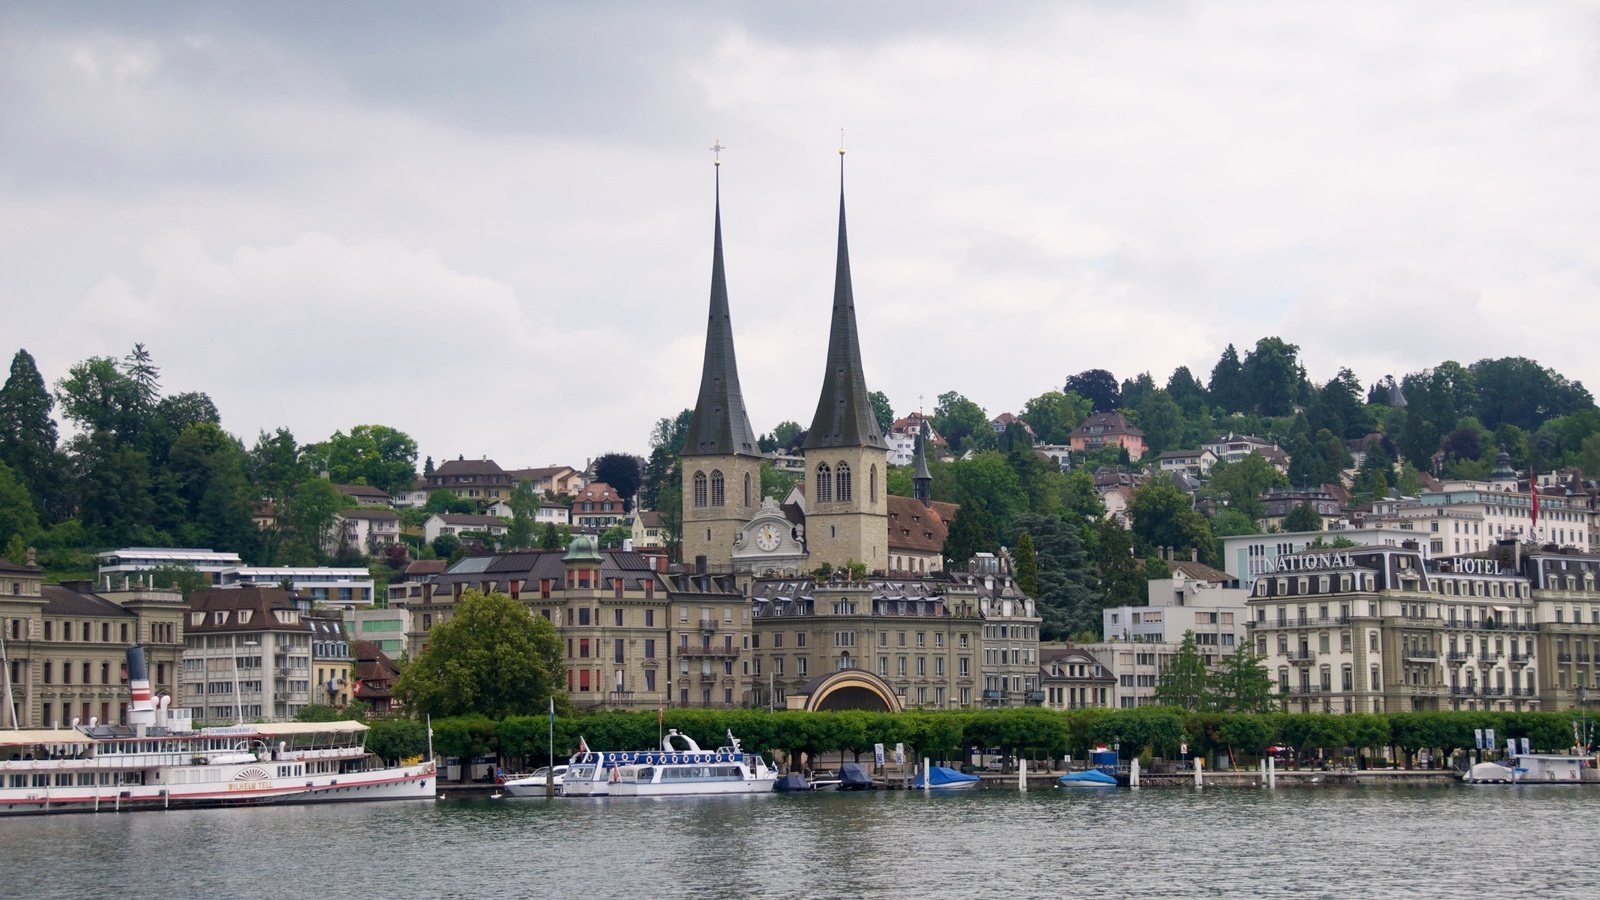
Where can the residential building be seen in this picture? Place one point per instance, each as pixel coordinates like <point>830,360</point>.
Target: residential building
<point>375,675</point>
<point>1197,463</point>
<point>312,585</point>
<point>332,663</point>
<point>1135,666</point>
<point>65,647</point>
<point>383,627</point>
<point>1060,454</point>
<point>632,635</point>
<point>415,584</point>
<point>1010,636</point>
<point>461,523</point>
<point>1279,502</point>
<point>364,530</point>
<point>247,655</point>
<point>366,495</point>
<point>414,497</point>
<point>649,530</point>
<point>597,506</point>
<point>1107,429</point>
<point>471,479</point>
<point>550,479</point>
<point>917,532</point>
<point>1232,448</point>
<point>127,566</point>
<point>1073,678</point>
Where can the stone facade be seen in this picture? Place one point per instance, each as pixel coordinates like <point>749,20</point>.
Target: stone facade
<point>847,507</point>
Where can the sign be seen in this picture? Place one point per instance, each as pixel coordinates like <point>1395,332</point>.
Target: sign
<point>899,754</point>
<point>1477,739</point>
<point>1307,562</point>
<point>1488,738</point>
<point>877,753</point>
<point>1511,746</point>
<point>1524,746</point>
<point>1184,748</point>
<point>1470,565</point>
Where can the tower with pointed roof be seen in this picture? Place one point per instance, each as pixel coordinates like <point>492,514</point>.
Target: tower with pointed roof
<point>921,478</point>
<point>721,463</point>
<point>846,456</point>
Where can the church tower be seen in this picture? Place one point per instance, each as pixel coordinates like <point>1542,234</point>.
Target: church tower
<point>721,464</point>
<point>846,456</point>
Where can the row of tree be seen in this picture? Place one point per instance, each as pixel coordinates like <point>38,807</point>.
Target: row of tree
<point>1039,733</point>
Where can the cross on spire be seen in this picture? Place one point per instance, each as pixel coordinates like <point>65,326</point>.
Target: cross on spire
<point>716,149</point>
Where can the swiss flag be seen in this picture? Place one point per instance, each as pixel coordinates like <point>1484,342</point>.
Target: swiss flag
<point>1533,488</point>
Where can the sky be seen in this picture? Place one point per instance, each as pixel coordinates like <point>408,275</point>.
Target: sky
<point>489,225</point>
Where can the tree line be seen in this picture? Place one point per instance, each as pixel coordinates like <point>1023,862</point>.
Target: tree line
<point>1147,732</point>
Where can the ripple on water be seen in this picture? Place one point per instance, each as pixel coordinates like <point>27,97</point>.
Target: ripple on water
<point>1378,842</point>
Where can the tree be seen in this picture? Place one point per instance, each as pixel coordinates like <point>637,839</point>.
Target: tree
<point>1227,382</point>
<point>1241,683</point>
<point>446,545</point>
<point>97,396</point>
<point>1185,683</point>
<point>1027,565</point>
<point>661,471</point>
<point>18,518</point>
<point>1159,417</point>
<point>1186,391</point>
<point>1120,584</point>
<point>550,537</point>
<point>1302,518</point>
<point>375,455</point>
<point>1517,391</point>
<point>612,538</point>
<point>114,498</point>
<point>1164,516</point>
<point>882,411</point>
<point>1338,407</point>
<point>624,472</point>
<point>1240,485</point>
<point>144,374</point>
<point>524,505</point>
<point>305,519</point>
<point>963,423</point>
<point>491,657</point>
<point>1098,386</point>
<point>1065,595</point>
<point>445,500</point>
<point>28,435</point>
<point>1271,376</point>
<point>1052,415</point>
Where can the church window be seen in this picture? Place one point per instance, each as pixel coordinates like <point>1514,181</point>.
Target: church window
<point>872,483</point>
<point>718,495</point>
<point>699,489</point>
<point>841,481</point>
<point>824,483</point>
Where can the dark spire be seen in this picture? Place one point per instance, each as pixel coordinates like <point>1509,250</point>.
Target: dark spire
<point>844,411</point>
<point>720,425</point>
<point>922,479</point>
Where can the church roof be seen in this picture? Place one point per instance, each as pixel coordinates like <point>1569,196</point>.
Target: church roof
<point>844,410</point>
<point>720,426</point>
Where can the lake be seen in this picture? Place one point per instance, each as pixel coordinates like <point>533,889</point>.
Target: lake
<point>1322,841</point>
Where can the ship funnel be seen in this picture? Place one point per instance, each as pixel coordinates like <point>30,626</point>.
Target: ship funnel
<point>142,710</point>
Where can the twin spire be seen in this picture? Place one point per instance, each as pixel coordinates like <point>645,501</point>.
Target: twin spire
<point>844,416</point>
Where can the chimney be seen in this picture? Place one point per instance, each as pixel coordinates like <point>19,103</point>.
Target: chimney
<point>33,557</point>
<point>1194,554</point>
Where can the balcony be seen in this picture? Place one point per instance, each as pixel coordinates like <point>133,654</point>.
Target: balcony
<point>1303,655</point>
<point>1034,696</point>
<point>994,695</point>
<point>708,677</point>
<point>708,624</point>
<point>1522,692</point>
<point>708,652</point>
<point>1462,690</point>
<point>1521,659</point>
<point>1421,655</point>
<point>1564,657</point>
<point>1456,657</point>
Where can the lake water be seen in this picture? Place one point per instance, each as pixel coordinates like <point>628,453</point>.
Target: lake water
<point>1324,841</point>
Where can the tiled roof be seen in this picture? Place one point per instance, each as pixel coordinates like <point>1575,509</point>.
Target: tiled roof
<point>469,519</point>
<point>1109,423</point>
<point>915,528</point>
<point>377,515</point>
<point>362,490</point>
<point>60,601</point>
<point>454,467</point>
<point>8,566</point>
<point>1199,571</point>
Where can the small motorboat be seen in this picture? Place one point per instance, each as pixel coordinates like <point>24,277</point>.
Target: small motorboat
<point>1090,778</point>
<point>791,783</point>
<point>854,777</point>
<point>533,785</point>
<point>944,778</point>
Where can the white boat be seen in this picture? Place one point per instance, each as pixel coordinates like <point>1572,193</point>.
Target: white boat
<point>672,770</point>
<point>1535,768</point>
<point>533,784</point>
<point>160,761</point>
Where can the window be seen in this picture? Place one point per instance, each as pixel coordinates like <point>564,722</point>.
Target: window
<point>583,647</point>
<point>617,656</point>
<point>583,615</point>
<point>841,481</point>
<point>699,489</point>
<point>649,648</point>
<point>872,483</point>
<point>824,483</point>
<point>746,501</point>
<point>619,612</point>
<point>718,495</point>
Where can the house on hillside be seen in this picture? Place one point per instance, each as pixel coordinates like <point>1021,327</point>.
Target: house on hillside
<point>461,523</point>
<point>1108,429</point>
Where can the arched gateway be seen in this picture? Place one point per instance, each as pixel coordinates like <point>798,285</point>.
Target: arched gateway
<point>846,689</point>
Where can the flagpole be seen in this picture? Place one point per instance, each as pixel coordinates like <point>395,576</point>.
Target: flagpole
<point>550,771</point>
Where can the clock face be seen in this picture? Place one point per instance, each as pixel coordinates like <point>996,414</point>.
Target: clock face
<point>767,537</point>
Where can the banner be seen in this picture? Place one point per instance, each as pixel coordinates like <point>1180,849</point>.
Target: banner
<point>1511,746</point>
<point>899,754</point>
<point>1524,746</point>
<point>1477,739</point>
<point>877,753</point>
<point>1488,738</point>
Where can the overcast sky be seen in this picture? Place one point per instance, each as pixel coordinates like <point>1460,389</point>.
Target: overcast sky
<point>490,227</point>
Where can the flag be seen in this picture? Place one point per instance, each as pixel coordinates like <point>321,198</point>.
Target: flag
<point>659,714</point>
<point>552,712</point>
<point>1533,488</point>
<point>583,745</point>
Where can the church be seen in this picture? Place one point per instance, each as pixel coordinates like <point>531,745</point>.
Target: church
<point>841,515</point>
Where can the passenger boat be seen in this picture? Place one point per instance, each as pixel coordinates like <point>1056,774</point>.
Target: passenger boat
<point>943,778</point>
<point>160,761</point>
<point>673,770</point>
<point>533,784</point>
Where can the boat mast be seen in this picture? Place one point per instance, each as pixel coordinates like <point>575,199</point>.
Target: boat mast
<point>5,673</point>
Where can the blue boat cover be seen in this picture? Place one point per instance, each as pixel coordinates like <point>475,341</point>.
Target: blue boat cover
<point>794,781</point>
<point>943,776</point>
<point>1092,777</point>
<point>853,777</point>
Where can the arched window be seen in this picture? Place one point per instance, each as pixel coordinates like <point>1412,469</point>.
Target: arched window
<point>872,483</point>
<point>718,494</point>
<point>841,481</point>
<point>824,483</point>
<point>746,489</point>
<point>699,489</point>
